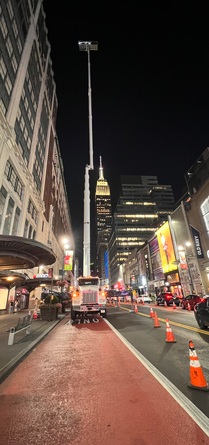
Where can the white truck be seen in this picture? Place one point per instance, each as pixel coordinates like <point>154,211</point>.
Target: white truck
<point>88,298</point>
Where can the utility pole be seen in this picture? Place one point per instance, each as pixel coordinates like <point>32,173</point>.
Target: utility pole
<point>88,46</point>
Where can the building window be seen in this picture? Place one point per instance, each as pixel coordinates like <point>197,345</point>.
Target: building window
<point>32,210</point>
<point>3,195</point>
<point>8,217</point>
<point>26,229</point>
<point>13,178</point>
<point>16,221</point>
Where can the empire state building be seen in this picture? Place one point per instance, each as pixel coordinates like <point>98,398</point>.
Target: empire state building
<point>103,223</point>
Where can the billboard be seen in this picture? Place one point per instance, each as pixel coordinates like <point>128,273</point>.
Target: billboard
<point>167,254</point>
<point>156,259</point>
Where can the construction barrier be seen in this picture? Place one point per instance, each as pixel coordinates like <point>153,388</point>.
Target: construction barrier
<point>169,334</point>
<point>197,378</point>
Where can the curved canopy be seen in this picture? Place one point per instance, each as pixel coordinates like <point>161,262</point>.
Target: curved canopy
<point>23,253</point>
<point>9,279</point>
<point>31,284</point>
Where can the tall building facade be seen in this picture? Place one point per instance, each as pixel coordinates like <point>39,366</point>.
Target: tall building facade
<point>142,206</point>
<point>33,195</point>
<point>176,257</point>
<point>103,224</point>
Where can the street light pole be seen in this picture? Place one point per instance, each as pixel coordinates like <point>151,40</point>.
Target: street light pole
<point>88,46</point>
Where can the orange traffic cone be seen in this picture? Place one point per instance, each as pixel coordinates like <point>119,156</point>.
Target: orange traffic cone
<point>188,307</point>
<point>156,322</point>
<point>35,315</point>
<point>174,305</point>
<point>135,308</point>
<point>169,334</point>
<point>165,303</point>
<point>151,313</point>
<point>197,378</point>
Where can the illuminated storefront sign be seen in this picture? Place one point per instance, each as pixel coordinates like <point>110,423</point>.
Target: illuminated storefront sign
<point>167,254</point>
<point>197,242</point>
<point>68,260</point>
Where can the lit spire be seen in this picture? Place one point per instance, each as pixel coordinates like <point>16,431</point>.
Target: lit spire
<point>101,176</point>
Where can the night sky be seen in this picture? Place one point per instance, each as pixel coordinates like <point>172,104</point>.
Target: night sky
<point>150,92</point>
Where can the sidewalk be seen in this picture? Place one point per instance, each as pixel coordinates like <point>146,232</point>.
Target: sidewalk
<point>10,356</point>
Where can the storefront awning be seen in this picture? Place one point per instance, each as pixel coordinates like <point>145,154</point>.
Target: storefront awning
<point>23,253</point>
<point>31,284</point>
<point>10,279</point>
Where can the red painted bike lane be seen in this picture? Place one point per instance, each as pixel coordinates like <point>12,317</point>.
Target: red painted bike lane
<point>82,385</point>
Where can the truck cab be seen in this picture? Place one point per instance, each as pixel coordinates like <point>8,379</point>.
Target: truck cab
<point>88,298</point>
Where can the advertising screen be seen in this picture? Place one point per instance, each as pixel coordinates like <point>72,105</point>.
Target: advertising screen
<point>167,254</point>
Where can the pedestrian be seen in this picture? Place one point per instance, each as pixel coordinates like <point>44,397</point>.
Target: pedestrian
<point>16,307</point>
<point>11,307</point>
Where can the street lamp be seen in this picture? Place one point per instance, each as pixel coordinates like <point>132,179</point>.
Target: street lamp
<point>88,46</point>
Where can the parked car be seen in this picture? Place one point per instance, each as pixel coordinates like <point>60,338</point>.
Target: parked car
<point>143,299</point>
<point>167,297</point>
<point>191,299</point>
<point>201,312</point>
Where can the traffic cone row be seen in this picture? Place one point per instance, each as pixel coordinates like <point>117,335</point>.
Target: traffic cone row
<point>197,378</point>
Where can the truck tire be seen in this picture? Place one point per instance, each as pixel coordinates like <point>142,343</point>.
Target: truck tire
<point>73,314</point>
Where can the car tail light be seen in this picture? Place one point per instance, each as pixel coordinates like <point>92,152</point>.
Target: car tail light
<point>201,300</point>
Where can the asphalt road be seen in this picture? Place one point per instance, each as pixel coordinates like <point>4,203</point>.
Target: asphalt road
<point>171,359</point>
